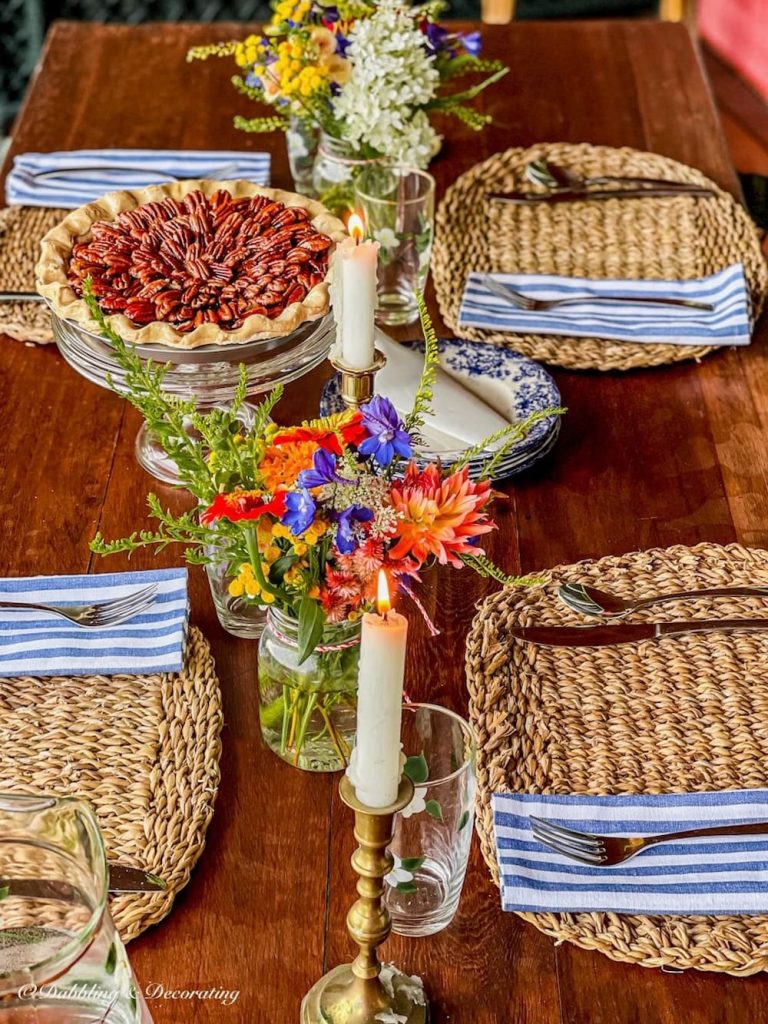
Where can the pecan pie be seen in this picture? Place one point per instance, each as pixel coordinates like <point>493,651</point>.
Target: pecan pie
<point>193,263</point>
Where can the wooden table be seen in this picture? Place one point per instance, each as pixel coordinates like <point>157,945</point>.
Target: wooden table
<point>651,458</point>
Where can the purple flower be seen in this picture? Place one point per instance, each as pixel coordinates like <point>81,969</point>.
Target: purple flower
<point>435,36</point>
<point>346,541</point>
<point>387,434</point>
<point>299,511</point>
<point>324,471</point>
<point>252,81</point>
<point>471,42</point>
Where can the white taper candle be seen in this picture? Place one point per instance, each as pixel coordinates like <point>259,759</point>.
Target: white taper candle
<point>356,265</point>
<point>376,772</point>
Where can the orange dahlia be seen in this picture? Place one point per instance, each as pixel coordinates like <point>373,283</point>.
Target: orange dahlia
<point>439,517</point>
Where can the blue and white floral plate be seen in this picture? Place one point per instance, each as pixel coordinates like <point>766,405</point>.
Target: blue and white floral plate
<point>509,382</point>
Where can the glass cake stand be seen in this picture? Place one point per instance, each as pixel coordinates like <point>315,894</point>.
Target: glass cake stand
<point>208,374</point>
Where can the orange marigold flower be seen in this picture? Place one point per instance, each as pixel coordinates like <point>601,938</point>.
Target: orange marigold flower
<point>325,432</point>
<point>238,505</point>
<point>439,517</point>
<point>282,463</point>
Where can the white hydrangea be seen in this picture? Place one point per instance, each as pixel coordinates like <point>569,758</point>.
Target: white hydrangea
<point>392,78</point>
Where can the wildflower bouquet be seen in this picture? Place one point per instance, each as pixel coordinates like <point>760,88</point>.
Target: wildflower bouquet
<point>366,73</point>
<point>305,518</point>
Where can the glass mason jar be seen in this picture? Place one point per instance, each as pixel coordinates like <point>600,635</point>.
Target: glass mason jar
<point>61,960</point>
<point>301,139</point>
<point>336,164</point>
<point>308,712</point>
<point>236,615</point>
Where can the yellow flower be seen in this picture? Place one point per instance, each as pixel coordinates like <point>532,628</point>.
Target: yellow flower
<point>272,553</point>
<point>293,576</point>
<point>300,548</point>
<point>314,591</point>
<point>267,598</point>
<point>236,588</point>
<point>281,531</point>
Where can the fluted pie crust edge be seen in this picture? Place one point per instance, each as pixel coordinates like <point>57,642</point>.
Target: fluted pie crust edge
<point>56,250</point>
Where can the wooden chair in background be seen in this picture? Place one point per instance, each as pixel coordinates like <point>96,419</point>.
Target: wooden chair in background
<point>501,12</point>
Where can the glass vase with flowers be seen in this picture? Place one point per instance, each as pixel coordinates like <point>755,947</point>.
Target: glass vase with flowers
<point>306,517</point>
<point>367,74</point>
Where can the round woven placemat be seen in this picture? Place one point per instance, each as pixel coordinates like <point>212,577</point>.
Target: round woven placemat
<point>143,750</point>
<point>682,714</point>
<point>677,239</point>
<point>21,228</point>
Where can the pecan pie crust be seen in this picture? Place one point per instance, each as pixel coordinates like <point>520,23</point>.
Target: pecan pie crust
<point>235,323</point>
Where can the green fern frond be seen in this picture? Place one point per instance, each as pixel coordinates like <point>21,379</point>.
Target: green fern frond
<point>469,116</point>
<point>488,570</point>
<point>273,123</point>
<point>422,405</point>
<point>505,439</point>
<point>212,50</point>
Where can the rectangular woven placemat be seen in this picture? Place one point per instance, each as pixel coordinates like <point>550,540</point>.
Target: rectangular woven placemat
<point>143,750</point>
<point>677,715</point>
<point>21,228</point>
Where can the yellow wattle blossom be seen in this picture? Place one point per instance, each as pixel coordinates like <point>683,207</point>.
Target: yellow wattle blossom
<point>300,547</point>
<point>245,583</point>
<point>281,532</point>
<point>272,553</point>
<point>250,51</point>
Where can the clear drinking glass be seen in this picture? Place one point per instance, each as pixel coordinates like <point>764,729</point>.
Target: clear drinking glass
<point>238,616</point>
<point>61,960</point>
<point>398,206</point>
<point>434,833</point>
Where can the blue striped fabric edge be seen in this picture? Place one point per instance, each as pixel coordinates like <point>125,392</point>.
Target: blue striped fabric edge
<point>521,871</point>
<point>479,308</point>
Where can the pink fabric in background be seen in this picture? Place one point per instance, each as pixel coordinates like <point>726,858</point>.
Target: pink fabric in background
<point>738,31</point>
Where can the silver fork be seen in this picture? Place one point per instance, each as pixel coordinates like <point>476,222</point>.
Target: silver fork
<point>222,171</point>
<point>92,616</point>
<point>605,851</point>
<point>528,303</point>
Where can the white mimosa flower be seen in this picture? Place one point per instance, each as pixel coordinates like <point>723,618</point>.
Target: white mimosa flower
<point>387,238</point>
<point>417,804</point>
<point>398,873</point>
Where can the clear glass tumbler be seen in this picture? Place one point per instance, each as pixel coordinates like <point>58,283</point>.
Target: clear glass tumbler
<point>398,206</point>
<point>434,833</point>
<point>61,960</point>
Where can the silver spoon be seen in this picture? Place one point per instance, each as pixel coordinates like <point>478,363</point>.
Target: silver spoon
<point>590,601</point>
<point>553,176</point>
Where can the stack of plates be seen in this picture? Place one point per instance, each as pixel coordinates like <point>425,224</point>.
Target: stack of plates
<point>513,385</point>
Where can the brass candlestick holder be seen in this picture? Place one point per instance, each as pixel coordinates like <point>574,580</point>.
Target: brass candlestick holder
<point>365,991</point>
<point>357,385</point>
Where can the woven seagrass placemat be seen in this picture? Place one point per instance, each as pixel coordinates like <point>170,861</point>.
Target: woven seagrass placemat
<point>678,238</point>
<point>143,750</point>
<point>682,714</point>
<point>21,228</point>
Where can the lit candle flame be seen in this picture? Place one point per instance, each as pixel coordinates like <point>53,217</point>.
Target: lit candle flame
<point>356,227</point>
<point>383,600</point>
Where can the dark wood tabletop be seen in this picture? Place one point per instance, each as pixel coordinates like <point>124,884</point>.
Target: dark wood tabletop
<point>651,458</point>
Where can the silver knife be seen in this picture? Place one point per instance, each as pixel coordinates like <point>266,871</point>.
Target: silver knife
<point>573,196</point>
<point>121,879</point>
<point>628,632</point>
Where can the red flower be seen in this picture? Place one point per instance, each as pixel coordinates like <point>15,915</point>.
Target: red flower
<point>325,432</point>
<point>240,505</point>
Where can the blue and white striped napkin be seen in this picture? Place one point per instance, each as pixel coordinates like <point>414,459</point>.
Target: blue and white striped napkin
<point>721,875</point>
<point>109,170</point>
<point>36,644</point>
<point>727,324</point>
